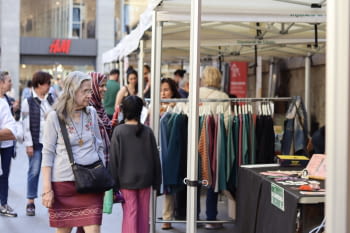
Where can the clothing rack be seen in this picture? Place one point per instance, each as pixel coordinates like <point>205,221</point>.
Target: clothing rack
<point>273,99</point>
<point>153,219</point>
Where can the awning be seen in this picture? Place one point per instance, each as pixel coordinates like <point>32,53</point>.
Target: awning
<point>131,41</point>
<point>279,28</point>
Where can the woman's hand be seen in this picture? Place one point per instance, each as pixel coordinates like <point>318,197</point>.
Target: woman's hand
<point>47,198</point>
<point>30,151</point>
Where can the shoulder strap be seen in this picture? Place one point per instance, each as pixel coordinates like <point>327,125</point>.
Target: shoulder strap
<point>66,140</point>
<point>127,90</point>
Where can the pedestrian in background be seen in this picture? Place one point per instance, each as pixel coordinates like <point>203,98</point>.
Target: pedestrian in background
<point>98,82</point>
<point>168,90</point>
<point>178,78</point>
<point>184,87</point>
<point>127,90</point>
<point>6,87</point>
<point>27,91</point>
<point>6,146</point>
<point>211,82</point>
<point>34,113</point>
<point>113,87</point>
<point>135,166</point>
<point>67,207</point>
<point>7,123</point>
<point>147,80</point>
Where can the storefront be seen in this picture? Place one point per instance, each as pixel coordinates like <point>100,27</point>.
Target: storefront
<point>56,56</point>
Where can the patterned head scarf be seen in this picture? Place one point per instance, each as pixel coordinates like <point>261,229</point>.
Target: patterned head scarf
<point>104,122</point>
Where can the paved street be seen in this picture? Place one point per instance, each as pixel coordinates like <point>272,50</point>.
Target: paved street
<point>40,223</point>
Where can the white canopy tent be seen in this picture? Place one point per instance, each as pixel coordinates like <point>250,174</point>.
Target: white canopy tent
<point>285,29</point>
<point>278,28</point>
<point>130,42</point>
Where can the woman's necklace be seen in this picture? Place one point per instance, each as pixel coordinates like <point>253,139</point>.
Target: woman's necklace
<point>80,136</point>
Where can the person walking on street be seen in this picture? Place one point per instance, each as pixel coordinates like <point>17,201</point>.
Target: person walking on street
<point>6,86</point>
<point>98,87</point>
<point>67,207</point>
<point>7,123</point>
<point>113,87</point>
<point>98,81</point>
<point>34,113</point>
<point>27,91</point>
<point>135,166</point>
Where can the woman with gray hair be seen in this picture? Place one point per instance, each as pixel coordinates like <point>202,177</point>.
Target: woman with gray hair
<point>67,207</point>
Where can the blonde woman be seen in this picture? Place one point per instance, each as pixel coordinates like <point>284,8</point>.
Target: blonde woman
<point>68,208</point>
<point>211,83</point>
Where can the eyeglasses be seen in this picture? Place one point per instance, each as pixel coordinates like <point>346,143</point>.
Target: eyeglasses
<point>87,92</point>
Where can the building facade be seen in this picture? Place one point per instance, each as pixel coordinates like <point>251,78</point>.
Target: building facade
<point>59,36</point>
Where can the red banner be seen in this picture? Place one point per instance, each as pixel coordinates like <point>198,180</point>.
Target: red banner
<point>238,79</point>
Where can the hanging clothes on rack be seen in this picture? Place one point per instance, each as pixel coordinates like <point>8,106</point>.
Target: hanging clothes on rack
<point>295,134</point>
<point>265,136</point>
<point>212,150</point>
<point>173,138</point>
<point>226,141</point>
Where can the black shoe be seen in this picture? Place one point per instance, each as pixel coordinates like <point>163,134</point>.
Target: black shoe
<point>30,209</point>
<point>6,210</point>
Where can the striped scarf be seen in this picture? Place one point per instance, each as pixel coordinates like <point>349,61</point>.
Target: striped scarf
<point>104,122</point>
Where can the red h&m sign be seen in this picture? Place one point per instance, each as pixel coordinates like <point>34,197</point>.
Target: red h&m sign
<point>238,79</point>
<point>60,46</point>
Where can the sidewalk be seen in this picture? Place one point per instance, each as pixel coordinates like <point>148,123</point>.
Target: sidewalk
<point>40,223</point>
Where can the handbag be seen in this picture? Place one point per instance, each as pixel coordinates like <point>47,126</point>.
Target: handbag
<point>92,178</point>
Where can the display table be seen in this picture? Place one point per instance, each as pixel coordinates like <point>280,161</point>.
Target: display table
<point>257,214</point>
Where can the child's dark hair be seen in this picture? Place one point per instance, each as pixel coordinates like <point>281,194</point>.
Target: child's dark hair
<point>180,73</point>
<point>132,108</point>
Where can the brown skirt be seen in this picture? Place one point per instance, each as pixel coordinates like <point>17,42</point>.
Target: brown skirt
<point>72,209</point>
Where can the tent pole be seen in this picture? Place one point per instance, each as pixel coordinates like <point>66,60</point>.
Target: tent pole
<point>337,116</point>
<point>258,77</point>
<point>156,60</point>
<point>121,72</point>
<point>307,89</point>
<point>192,148</point>
<point>271,73</point>
<point>140,69</point>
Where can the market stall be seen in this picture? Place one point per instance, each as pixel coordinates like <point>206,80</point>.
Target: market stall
<point>237,29</point>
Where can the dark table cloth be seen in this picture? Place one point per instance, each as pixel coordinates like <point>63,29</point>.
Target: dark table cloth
<point>255,213</point>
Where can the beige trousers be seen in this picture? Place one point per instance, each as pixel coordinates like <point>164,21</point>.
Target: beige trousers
<point>168,207</point>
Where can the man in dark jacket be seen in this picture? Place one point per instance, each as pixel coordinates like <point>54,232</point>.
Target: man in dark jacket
<point>34,112</point>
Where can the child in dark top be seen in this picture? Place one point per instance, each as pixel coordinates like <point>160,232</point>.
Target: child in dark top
<point>135,166</point>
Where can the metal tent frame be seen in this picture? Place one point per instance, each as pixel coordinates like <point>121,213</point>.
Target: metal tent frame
<point>195,39</point>
<point>338,73</point>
